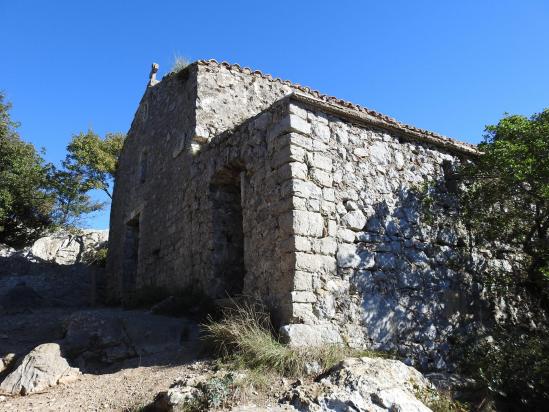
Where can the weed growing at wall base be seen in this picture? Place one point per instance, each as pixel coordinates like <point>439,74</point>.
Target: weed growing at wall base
<point>244,339</point>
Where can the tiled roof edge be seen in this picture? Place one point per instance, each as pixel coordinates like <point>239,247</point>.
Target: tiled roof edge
<point>348,109</point>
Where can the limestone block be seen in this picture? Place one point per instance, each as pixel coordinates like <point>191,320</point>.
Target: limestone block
<point>327,208</point>
<point>354,220</point>
<point>310,335</point>
<point>292,170</point>
<point>345,235</point>
<point>308,223</point>
<point>300,140</point>
<point>303,280</point>
<point>303,313</point>
<point>328,194</point>
<point>332,227</point>
<point>321,177</point>
<point>386,261</point>
<point>298,124</point>
<point>307,262</point>
<point>298,111</point>
<point>360,152</point>
<point>368,384</point>
<point>303,297</point>
<point>321,131</point>
<point>289,153</point>
<point>306,189</point>
<point>379,153</point>
<point>347,256</point>
<point>325,246</point>
<point>367,259</point>
<point>320,161</point>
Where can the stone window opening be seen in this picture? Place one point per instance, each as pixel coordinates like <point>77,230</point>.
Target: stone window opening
<point>143,164</point>
<point>131,255</point>
<point>228,234</point>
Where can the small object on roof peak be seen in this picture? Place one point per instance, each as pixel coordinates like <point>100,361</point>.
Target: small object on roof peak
<point>152,74</point>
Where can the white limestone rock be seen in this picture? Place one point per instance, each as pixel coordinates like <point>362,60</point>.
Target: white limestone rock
<point>65,248</point>
<point>365,385</point>
<point>347,256</point>
<point>310,335</point>
<point>6,251</point>
<point>43,367</point>
<point>354,220</point>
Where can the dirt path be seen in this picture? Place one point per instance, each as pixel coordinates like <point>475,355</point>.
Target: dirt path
<point>108,392</point>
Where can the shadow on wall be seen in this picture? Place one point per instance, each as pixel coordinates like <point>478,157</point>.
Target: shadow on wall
<point>34,283</point>
<point>416,279</point>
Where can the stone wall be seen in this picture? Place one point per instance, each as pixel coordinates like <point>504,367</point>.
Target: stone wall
<point>155,164</point>
<point>54,270</point>
<point>376,270</point>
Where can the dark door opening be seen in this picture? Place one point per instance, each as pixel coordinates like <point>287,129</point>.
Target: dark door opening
<point>131,254</point>
<point>228,234</point>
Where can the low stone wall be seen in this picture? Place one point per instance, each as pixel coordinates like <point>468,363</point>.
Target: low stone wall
<point>53,270</point>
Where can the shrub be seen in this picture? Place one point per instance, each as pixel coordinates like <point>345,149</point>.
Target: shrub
<point>97,257</point>
<point>439,402</point>
<point>512,366</point>
<point>244,339</point>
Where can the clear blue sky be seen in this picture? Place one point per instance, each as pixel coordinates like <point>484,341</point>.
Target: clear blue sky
<point>451,67</point>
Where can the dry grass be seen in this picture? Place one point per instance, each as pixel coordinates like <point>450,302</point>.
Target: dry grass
<point>179,63</point>
<point>244,339</point>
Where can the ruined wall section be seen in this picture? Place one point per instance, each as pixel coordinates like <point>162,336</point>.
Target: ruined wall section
<point>380,274</point>
<point>153,172</point>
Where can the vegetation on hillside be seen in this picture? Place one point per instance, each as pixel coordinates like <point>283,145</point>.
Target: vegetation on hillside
<point>502,198</point>
<point>507,196</point>
<point>26,204</point>
<point>36,196</point>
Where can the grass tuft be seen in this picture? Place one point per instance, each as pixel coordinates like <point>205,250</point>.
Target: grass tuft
<point>179,63</point>
<point>244,339</point>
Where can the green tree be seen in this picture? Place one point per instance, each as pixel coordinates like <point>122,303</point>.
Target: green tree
<point>95,159</point>
<point>72,201</point>
<point>507,198</point>
<point>26,204</point>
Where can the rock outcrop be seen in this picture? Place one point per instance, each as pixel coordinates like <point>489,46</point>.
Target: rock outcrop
<point>54,271</point>
<point>364,385</point>
<point>43,367</point>
<point>63,248</point>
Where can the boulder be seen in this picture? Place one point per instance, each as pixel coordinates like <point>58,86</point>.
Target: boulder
<point>363,384</point>
<point>66,248</point>
<point>43,367</point>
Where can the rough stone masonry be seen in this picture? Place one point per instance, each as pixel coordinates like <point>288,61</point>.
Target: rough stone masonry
<point>239,183</point>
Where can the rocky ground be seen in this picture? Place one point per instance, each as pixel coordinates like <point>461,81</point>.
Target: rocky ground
<point>127,359</point>
<point>58,356</point>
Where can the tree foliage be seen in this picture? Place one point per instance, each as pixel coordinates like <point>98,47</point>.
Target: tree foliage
<point>26,204</point>
<point>72,201</point>
<point>36,196</point>
<point>505,201</point>
<point>507,196</point>
<point>95,159</point>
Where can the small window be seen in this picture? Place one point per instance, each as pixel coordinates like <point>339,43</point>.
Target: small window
<point>143,167</point>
